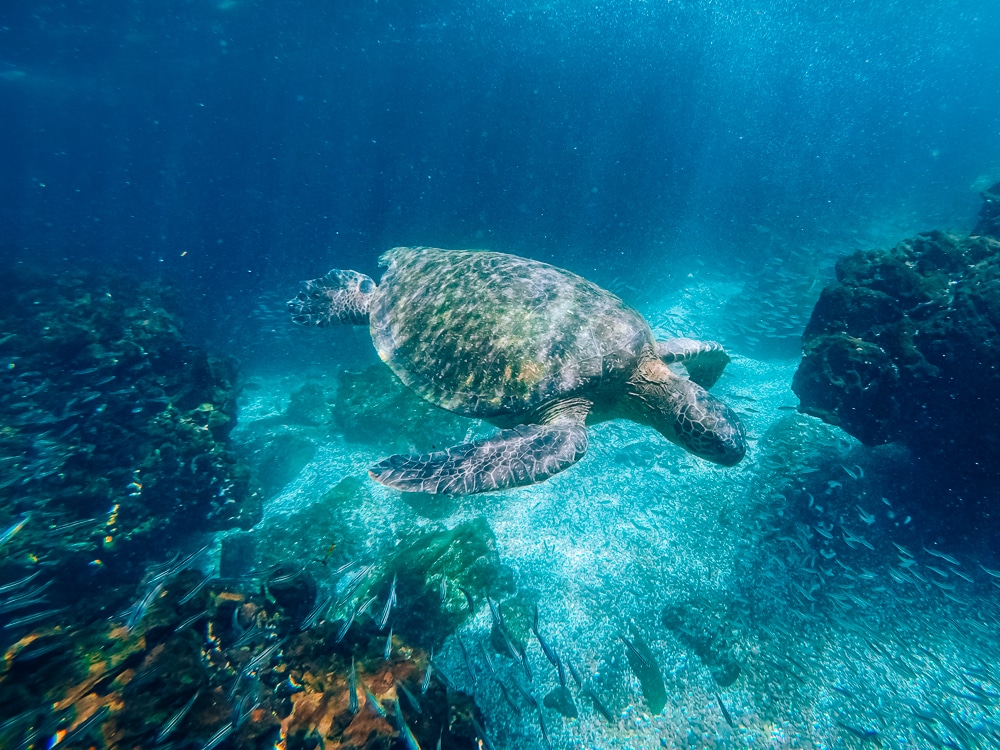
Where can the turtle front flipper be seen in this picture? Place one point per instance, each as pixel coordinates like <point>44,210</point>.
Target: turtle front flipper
<point>522,455</point>
<point>703,360</point>
<point>338,297</point>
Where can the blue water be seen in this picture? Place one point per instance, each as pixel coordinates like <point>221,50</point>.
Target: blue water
<point>700,158</point>
<point>264,140</point>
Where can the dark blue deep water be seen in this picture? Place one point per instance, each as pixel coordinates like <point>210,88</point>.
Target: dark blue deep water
<point>268,139</point>
<point>192,553</point>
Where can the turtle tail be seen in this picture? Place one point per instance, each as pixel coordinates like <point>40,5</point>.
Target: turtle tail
<point>339,297</point>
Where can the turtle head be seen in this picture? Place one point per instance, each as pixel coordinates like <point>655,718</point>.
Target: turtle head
<point>686,414</point>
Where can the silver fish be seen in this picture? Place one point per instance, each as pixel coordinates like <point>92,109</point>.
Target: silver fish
<point>197,587</point>
<point>345,627</point>
<point>81,730</point>
<point>545,731</point>
<point>384,617</point>
<point>509,699</point>
<point>483,739</point>
<point>404,729</point>
<point>410,697</point>
<point>374,702</point>
<point>353,689</point>
<point>495,611</point>
<point>599,705</point>
<point>191,621</point>
<point>524,662</point>
<point>989,571</point>
<point>11,530</point>
<point>176,719</point>
<point>725,712</point>
<point>15,585</point>
<point>287,577</point>
<point>33,618</point>
<point>468,600</point>
<point>427,675</point>
<point>489,659</point>
<point>354,582</point>
<point>322,605</point>
<point>366,604</point>
<point>532,701</point>
<point>345,566</point>
<point>139,610</point>
<point>942,556</point>
<point>468,660</point>
<point>262,657</point>
<point>550,653</point>
<point>443,676</point>
<point>577,678</point>
<point>511,649</point>
<point>635,651</point>
<point>217,739</point>
<point>247,705</point>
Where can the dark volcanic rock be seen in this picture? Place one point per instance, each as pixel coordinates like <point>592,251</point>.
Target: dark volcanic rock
<point>906,347</point>
<point>989,214</point>
<point>114,432</point>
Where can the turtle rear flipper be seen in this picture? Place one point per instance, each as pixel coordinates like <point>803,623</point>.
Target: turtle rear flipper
<point>338,297</point>
<point>522,455</point>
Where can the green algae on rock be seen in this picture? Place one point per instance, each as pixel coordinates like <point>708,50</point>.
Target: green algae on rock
<point>464,556</point>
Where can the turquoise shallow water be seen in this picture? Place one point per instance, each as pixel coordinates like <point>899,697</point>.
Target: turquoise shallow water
<point>809,567</point>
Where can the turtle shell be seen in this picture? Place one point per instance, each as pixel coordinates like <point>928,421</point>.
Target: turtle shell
<point>487,334</point>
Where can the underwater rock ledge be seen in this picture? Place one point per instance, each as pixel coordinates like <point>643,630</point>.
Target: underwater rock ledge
<point>114,433</point>
<point>906,347</point>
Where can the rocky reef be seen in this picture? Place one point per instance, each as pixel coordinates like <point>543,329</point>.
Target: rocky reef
<point>114,439</point>
<point>905,347</point>
<point>235,662</point>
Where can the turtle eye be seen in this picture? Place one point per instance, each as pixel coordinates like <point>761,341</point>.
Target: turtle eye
<point>367,286</point>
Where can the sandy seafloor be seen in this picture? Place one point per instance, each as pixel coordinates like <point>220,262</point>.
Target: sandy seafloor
<point>844,639</point>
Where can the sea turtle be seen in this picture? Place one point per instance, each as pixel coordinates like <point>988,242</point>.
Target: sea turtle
<point>533,349</point>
